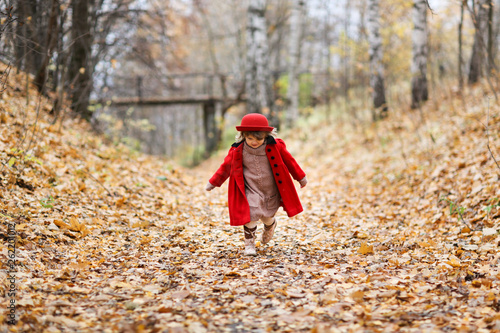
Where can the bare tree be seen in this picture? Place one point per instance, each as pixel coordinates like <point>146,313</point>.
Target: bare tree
<point>212,133</point>
<point>34,38</point>
<point>460,47</point>
<point>258,76</point>
<point>376,66</point>
<point>293,63</point>
<point>6,20</point>
<point>491,37</point>
<point>21,34</point>
<point>7,17</point>
<point>79,69</point>
<point>326,42</point>
<point>419,89</point>
<point>346,53</point>
<point>48,46</point>
<point>479,15</point>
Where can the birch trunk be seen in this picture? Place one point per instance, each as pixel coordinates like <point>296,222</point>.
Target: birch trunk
<point>376,66</point>
<point>293,64</point>
<point>419,90</point>
<point>328,61</point>
<point>346,57</point>
<point>478,56</point>
<point>258,76</point>
<point>460,53</point>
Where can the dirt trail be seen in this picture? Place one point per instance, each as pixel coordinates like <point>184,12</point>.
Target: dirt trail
<point>115,241</point>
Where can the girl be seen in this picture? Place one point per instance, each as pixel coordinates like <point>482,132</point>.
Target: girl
<point>259,167</point>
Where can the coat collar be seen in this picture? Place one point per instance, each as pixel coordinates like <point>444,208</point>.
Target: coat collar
<point>270,141</point>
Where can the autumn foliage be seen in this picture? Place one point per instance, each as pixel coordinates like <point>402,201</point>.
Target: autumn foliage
<point>399,232</point>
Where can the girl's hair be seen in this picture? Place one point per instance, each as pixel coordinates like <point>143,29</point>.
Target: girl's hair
<point>259,135</point>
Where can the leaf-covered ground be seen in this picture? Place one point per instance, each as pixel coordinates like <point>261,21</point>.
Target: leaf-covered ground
<point>110,240</point>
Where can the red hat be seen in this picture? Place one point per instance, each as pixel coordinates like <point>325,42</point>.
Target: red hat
<point>254,122</point>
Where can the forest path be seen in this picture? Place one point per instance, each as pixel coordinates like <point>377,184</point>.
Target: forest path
<point>374,249</point>
<point>116,241</point>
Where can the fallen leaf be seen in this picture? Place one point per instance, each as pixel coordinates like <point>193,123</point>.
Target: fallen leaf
<point>365,248</point>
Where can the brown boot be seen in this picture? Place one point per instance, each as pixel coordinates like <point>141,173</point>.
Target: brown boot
<point>250,241</point>
<point>268,233</point>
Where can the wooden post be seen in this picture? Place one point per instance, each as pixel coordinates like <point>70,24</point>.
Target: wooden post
<point>209,127</point>
<point>139,87</point>
<point>211,86</point>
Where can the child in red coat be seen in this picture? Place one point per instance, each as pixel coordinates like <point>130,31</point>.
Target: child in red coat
<point>259,168</point>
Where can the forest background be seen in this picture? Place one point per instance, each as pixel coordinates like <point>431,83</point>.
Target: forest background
<point>391,108</point>
<point>353,58</point>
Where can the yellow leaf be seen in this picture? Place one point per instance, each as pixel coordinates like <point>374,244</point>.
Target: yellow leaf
<point>85,231</point>
<point>74,225</point>
<point>365,248</point>
<point>21,226</point>
<point>81,186</point>
<point>423,244</point>
<point>362,235</point>
<point>97,220</point>
<point>454,262</point>
<point>61,224</point>
<point>146,240</point>
<point>140,224</point>
<point>358,296</point>
<point>119,284</point>
<point>119,202</point>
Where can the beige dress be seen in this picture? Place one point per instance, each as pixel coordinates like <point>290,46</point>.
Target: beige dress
<point>260,188</point>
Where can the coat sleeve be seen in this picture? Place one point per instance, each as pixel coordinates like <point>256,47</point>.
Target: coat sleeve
<point>224,170</point>
<point>290,162</point>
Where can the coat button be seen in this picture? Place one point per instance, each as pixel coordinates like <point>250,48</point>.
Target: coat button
<point>277,174</point>
<point>269,149</point>
<point>272,157</point>
<point>279,181</point>
<point>276,165</point>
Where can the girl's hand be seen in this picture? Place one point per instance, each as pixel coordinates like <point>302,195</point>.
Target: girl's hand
<point>209,187</point>
<point>303,182</point>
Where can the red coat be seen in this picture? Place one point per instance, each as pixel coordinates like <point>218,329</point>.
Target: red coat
<point>282,163</point>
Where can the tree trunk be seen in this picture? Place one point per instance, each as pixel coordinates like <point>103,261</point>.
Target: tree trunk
<point>209,128</point>
<point>327,41</point>
<point>460,52</point>
<point>496,27</point>
<point>419,90</point>
<point>293,64</point>
<point>21,34</point>
<point>491,58</point>
<point>258,76</point>
<point>376,66</point>
<point>48,47</point>
<point>345,57</point>
<point>27,31</point>
<point>251,90</point>
<point>479,50</point>
<point>79,69</point>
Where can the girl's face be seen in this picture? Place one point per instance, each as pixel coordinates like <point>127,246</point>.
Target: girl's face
<point>254,142</point>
